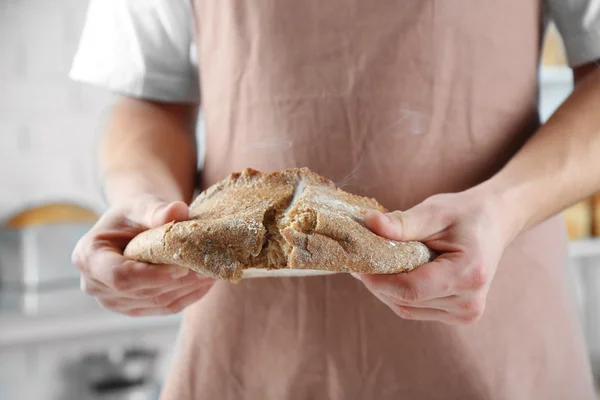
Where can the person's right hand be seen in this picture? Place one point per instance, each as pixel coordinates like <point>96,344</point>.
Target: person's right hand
<point>129,287</point>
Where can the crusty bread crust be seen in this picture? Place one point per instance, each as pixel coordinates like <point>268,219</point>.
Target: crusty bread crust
<point>288,219</point>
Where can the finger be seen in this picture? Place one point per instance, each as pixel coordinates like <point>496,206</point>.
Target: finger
<point>382,225</point>
<point>469,306</point>
<point>95,288</point>
<point>418,223</point>
<point>453,304</point>
<point>162,299</point>
<point>92,286</point>
<point>448,303</point>
<point>148,298</point>
<point>175,307</point>
<point>456,305</point>
<point>179,276</point>
<point>411,312</point>
<point>151,214</point>
<point>182,283</point>
<point>122,303</point>
<point>424,314</point>
<point>434,314</point>
<point>117,272</point>
<point>429,281</point>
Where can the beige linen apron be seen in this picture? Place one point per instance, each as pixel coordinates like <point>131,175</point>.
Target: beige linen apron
<point>399,100</point>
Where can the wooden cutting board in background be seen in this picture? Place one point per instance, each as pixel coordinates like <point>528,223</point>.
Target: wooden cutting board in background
<point>579,219</point>
<point>553,52</point>
<point>583,219</point>
<point>51,214</point>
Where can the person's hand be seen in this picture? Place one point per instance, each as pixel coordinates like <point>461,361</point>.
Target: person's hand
<point>130,287</point>
<point>470,238</point>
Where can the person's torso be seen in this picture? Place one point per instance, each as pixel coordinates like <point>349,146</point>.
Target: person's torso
<point>397,100</point>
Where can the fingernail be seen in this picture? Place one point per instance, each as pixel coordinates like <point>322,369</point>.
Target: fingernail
<point>357,276</point>
<point>179,272</point>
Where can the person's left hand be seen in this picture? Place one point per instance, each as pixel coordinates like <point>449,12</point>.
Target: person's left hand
<point>470,235</point>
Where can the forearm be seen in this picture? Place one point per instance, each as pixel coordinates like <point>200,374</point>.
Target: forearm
<point>557,167</point>
<point>149,149</point>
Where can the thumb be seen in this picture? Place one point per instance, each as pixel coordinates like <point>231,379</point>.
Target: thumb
<point>414,224</point>
<point>153,213</point>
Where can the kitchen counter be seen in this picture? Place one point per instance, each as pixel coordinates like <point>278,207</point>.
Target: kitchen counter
<point>62,314</point>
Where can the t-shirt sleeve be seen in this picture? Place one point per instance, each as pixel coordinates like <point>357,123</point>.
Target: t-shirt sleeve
<point>141,48</point>
<point>578,22</point>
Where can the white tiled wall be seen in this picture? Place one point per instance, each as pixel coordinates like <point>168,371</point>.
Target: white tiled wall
<point>48,125</point>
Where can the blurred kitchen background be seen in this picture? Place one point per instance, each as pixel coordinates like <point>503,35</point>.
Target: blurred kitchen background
<point>55,342</point>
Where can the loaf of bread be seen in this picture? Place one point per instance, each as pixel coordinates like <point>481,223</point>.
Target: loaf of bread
<point>51,214</point>
<point>292,219</point>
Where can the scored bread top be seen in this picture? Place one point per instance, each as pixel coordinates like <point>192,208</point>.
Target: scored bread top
<point>289,219</point>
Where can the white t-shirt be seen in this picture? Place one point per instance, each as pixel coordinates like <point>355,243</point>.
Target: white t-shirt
<point>145,48</point>
<point>142,48</point>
